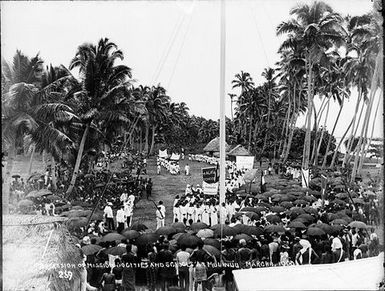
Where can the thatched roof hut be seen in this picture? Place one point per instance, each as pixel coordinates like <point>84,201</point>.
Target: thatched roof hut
<point>35,250</point>
<point>239,150</point>
<point>213,146</point>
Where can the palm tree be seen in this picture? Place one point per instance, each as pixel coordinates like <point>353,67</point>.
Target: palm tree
<point>156,104</point>
<point>22,79</point>
<point>268,73</point>
<point>315,29</point>
<point>101,82</point>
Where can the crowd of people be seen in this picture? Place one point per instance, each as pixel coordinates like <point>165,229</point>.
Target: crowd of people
<point>264,227</point>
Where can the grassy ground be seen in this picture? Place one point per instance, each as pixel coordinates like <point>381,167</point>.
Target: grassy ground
<point>165,188</point>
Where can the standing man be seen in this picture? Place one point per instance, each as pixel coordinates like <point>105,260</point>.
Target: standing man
<point>120,219</point>
<point>108,214</point>
<point>160,215</point>
<point>187,170</point>
<point>263,183</point>
<point>128,212</point>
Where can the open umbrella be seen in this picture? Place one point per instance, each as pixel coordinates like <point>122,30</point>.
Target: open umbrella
<point>212,242</point>
<point>179,226</point>
<point>212,251</point>
<point>112,237</point>
<point>44,192</point>
<point>300,202</point>
<point>115,251</point>
<point>325,227</point>
<point>309,198</point>
<point>244,236</point>
<point>189,241</point>
<point>286,204</point>
<point>205,233</point>
<point>88,176</point>
<point>250,209</point>
<point>315,231</point>
<point>16,176</point>
<point>166,230</point>
<point>252,230</point>
<point>338,201</point>
<point>147,238</point>
<point>32,194</point>
<point>274,228</point>
<point>77,207</point>
<point>342,195</point>
<point>53,197</point>
<point>198,225</point>
<point>76,222</point>
<point>358,200</point>
<point>278,209</point>
<point>358,224</point>
<point>339,221</point>
<point>227,230</point>
<point>35,176</point>
<point>273,218</point>
<point>296,224</point>
<point>138,226</point>
<point>307,217</point>
<point>24,203</point>
<point>91,249</point>
<point>131,234</point>
<point>97,216</point>
<point>297,210</point>
<point>311,210</point>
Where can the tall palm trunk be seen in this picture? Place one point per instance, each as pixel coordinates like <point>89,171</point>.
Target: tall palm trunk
<point>268,122</point>
<point>250,131</point>
<point>146,138</point>
<point>31,161</point>
<point>371,137</point>
<point>322,134</point>
<point>315,127</point>
<point>153,139</point>
<point>331,135</point>
<point>364,130</point>
<point>349,148</point>
<point>354,128</point>
<point>306,148</point>
<point>53,173</point>
<point>8,177</point>
<point>78,160</point>
<point>339,145</point>
<point>289,141</point>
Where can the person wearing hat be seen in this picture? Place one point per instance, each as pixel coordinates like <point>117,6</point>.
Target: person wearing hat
<point>108,214</point>
<point>244,254</point>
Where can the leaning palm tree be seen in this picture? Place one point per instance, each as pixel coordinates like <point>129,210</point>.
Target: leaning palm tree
<point>102,81</point>
<point>370,33</point>
<point>315,29</point>
<point>22,79</point>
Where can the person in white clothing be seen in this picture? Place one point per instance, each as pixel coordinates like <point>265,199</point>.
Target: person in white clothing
<point>108,214</point>
<point>160,215</point>
<point>206,214</point>
<point>120,219</point>
<point>213,215</point>
<point>123,197</point>
<point>128,212</point>
<point>191,212</point>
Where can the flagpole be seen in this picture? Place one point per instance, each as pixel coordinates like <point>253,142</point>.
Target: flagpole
<point>222,128</point>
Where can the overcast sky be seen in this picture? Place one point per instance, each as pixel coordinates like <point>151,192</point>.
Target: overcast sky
<point>173,43</point>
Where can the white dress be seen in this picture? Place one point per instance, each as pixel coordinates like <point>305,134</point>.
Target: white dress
<point>176,212</point>
<point>206,214</point>
<point>213,215</point>
<point>198,213</point>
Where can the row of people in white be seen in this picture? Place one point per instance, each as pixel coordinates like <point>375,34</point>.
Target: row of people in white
<point>192,211</point>
<point>170,166</point>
